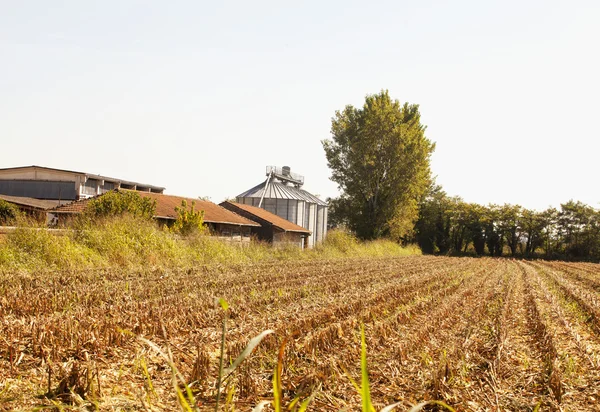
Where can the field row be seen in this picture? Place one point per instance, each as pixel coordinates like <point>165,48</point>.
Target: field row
<point>479,334</point>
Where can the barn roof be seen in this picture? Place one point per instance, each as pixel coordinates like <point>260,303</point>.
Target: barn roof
<point>31,202</point>
<point>271,218</point>
<point>165,209</point>
<point>277,190</point>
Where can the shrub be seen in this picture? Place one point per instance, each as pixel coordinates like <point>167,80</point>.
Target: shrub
<point>9,213</point>
<point>34,247</point>
<point>120,202</point>
<point>189,221</point>
<point>341,241</point>
<point>128,241</point>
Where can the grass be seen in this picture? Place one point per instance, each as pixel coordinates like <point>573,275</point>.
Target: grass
<point>132,242</point>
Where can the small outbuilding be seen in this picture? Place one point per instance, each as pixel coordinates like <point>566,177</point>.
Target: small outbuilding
<point>273,229</point>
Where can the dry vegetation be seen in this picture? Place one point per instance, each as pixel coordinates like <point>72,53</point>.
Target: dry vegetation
<point>479,334</point>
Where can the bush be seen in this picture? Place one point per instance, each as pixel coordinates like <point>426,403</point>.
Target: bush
<point>34,247</point>
<point>128,241</point>
<point>117,203</point>
<point>341,241</point>
<point>9,213</point>
<point>189,221</point>
<point>134,242</point>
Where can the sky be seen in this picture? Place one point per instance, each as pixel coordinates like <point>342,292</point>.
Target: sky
<point>199,97</point>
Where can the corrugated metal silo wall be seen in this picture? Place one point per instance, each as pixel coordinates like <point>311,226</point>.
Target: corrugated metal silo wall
<point>300,215</point>
<point>320,220</point>
<point>312,223</point>
<point>325,217</point>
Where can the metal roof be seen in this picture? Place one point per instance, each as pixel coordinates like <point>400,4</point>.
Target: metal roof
<point>93,176</point>
<point>257,212</point>
<point>31,202</point>
<point>277,190</point>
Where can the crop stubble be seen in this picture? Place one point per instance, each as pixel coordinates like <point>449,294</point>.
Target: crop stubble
<point>480,334</point>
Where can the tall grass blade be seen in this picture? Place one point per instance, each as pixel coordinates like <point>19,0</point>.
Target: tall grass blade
<point>350,378</point>
<point>224,306</point>
<point>277,387</point>
<point>365,391</point>
<point>247,351</point>
<point>185,405</point>
<point>304,404</point>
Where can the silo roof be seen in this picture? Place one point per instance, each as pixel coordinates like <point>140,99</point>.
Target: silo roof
<point>277,190</point>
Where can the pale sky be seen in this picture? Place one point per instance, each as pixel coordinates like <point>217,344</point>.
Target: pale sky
<point>200,96</point>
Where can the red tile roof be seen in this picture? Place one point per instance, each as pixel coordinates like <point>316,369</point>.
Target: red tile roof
<point>165,208</point>
<point>272,218</point>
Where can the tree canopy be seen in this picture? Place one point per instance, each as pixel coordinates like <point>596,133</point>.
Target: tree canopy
<point>379,157</point>
<point>448,225</point>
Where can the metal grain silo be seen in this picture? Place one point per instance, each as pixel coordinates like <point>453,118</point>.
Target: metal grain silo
<point>282,194</point>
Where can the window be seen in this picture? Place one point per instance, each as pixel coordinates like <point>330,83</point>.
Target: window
<point>107,187</point>
<point>90,187</point>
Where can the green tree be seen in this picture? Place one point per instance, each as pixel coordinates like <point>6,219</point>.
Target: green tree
<point>477,215</point>
<point>379,157</point>
<point>493,234</point>
<point>510,225</point>
<point>533,225</point>
<point>434,226</point>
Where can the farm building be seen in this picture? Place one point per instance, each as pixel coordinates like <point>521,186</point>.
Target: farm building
<point>220,221</point>
<point>273,229</point>
<point>282,194</point>
<point>46,183</point>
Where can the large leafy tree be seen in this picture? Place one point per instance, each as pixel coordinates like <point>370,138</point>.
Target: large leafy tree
<point>379,157</point>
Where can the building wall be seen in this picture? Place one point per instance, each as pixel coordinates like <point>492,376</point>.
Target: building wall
<point>41,183</point>
<point>54,190</point>
<point>288,239</point>
<point>232,233</point>
<point>82,185</point>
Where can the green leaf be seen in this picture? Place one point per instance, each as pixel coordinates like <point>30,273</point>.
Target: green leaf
<point>304,404</point>
<point>251,345</point>
<point>223,303</point>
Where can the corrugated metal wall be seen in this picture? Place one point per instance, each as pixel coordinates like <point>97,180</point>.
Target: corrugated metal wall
<point>54,190</point>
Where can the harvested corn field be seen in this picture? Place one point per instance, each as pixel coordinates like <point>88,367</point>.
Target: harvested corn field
<point>478,334</point>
